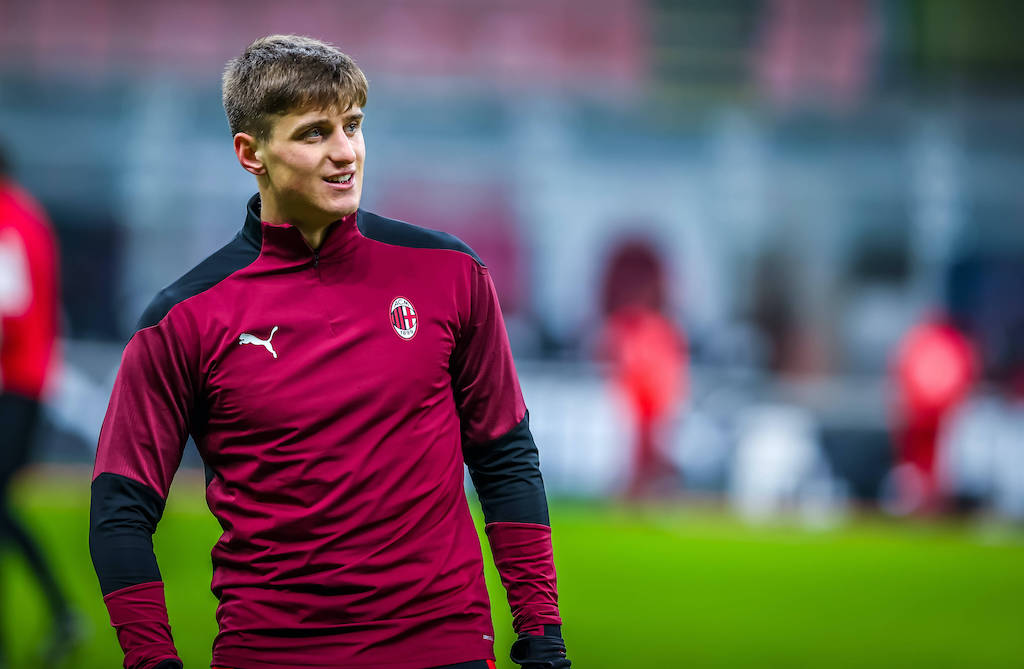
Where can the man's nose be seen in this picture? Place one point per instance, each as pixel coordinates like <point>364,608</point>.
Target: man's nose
<point>341,150</point>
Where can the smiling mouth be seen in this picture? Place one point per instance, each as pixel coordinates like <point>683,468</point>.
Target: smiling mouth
<point>340,179</point>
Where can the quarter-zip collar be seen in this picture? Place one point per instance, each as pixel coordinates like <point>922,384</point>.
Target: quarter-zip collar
<point>284,244</point>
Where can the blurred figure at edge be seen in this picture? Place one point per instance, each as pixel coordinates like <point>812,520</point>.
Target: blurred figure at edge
<point>28,356</point>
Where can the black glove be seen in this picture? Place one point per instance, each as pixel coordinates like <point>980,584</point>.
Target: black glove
<point>169,664</point>
<point>541,651</point>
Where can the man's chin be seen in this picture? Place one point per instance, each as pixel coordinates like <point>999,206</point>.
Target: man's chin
<point>342,209</point>
<point>342,213</point>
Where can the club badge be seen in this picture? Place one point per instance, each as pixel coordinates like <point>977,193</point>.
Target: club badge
<point>404,319</point>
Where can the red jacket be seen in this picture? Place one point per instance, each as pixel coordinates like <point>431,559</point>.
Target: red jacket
<point>28,294</point>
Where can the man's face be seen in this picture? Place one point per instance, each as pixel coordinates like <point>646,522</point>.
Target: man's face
<point>314,166</point>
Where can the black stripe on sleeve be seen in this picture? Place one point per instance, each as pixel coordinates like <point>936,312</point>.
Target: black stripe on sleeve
<point>230,258</point>
<point>240,252</point>
<point>506,475</point>
<point>122,519</point>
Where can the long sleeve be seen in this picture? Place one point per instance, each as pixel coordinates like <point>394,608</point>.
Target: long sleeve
<point>503,462</point>
<point>140,448</point>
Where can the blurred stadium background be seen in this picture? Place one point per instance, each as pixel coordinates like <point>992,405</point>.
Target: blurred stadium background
<point>820,201</point>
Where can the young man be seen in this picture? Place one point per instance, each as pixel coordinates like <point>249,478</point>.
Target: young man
<point>335,369</point>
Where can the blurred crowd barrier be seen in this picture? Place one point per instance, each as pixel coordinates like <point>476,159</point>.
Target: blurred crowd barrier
<point>817,449</point>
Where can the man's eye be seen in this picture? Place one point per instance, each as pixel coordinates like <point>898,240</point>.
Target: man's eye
<point>352,127</point>
<point>314,133</point>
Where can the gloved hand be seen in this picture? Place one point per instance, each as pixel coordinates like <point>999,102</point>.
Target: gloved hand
<point>169,664</point>
<point>541,651</point>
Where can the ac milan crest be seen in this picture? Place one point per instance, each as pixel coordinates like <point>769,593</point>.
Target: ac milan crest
<point>404,319</point>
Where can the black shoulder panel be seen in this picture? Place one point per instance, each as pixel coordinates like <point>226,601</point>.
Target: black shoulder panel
<point>233,256</point>
<point>506,475</point>
<point>399,233</point>
<point>122,520</point>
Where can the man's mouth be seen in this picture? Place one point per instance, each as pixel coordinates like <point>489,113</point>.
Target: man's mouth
<point>339,179</point>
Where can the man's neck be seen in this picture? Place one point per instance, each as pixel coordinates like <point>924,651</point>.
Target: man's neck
<point>312,232</point>
<point>313,236</point>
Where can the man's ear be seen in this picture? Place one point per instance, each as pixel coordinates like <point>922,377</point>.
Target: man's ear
<point>249,153</point>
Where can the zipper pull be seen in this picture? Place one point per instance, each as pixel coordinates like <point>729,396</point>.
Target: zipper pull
<point>316,258</point>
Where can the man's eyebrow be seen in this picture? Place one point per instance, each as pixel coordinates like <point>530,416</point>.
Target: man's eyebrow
<point>312,124</point>
<point>347,118</point>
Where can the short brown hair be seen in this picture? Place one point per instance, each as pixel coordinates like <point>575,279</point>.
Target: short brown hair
<point>278,74</point>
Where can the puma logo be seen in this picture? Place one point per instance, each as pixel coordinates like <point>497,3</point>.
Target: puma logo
<point>246,338</point>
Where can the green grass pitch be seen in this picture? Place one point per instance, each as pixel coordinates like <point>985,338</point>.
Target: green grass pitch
<point>640,588</point>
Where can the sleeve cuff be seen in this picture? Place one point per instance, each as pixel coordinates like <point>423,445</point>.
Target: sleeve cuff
<point>522,553</point>
<point>138,613</point>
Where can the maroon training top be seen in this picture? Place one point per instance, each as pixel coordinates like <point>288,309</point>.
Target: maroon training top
<point>333,395</point>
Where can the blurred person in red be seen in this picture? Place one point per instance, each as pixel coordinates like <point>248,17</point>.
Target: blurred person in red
<point>28,356</point>
<point>934,369</point>
<point>649,360</point>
